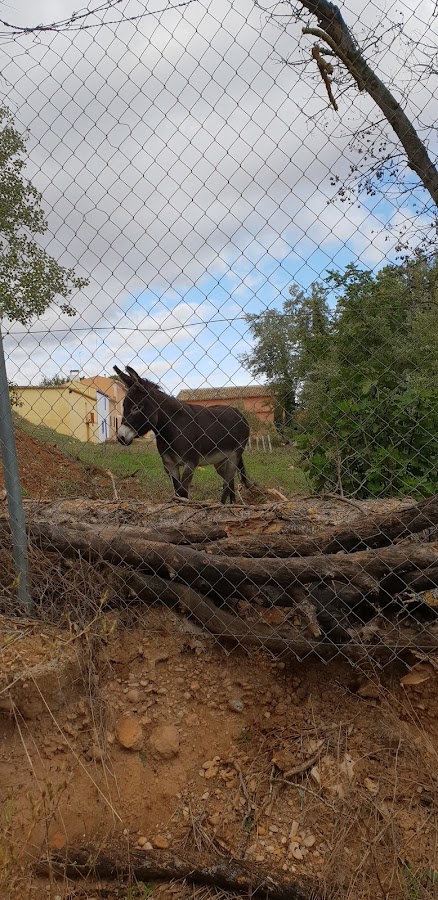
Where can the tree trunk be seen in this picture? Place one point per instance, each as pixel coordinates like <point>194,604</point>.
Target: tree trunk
<point>335,32</point>
<point>368,533</point>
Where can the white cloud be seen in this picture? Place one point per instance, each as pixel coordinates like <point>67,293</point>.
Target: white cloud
<point>181,165</point>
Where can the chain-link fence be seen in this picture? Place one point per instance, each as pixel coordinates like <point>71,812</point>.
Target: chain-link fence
<point>225,203</point>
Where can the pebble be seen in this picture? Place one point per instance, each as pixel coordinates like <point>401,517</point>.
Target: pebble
<point>129,733</point>
<point>165,741</point>
<point>133,695</point>
<point>236,704</point>
<point>160,843</point>
<point>309,840</point>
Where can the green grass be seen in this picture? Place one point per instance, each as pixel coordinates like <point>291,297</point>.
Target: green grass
<point>142,463</point>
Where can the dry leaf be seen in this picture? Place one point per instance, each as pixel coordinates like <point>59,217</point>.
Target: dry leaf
<point>338,791</point>
<point>347,767</point>
<point>315,774</point>
<point>371,786</point>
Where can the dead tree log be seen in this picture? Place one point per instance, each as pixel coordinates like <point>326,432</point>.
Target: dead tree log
<point>189,565</point>
<point>366,534</point>
<point>144,866</point>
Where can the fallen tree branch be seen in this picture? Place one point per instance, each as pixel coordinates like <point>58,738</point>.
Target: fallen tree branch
<point>144,866</point>
<point>226,576</point>
<point>367,534</point>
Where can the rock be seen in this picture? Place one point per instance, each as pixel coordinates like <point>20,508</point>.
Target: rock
<point>142,841</point>
<point>309,840</point>
<point>129,733</point>
<point>96,753</point>
<point>236,704</point>
<point>165,741</point>
<point>297,853</point>
<point>284,760</point>
<point>133,695</point>
<point>160,843</point>
<point>369,690</point>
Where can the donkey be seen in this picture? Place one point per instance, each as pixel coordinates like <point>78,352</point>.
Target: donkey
<point>187,435</point>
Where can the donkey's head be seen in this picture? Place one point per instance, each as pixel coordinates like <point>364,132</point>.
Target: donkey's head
<point>140,407</point>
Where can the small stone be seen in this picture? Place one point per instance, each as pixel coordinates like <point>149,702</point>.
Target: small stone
<point>211,773</point>
<point>160,843</point>
<point>110,737</point>
<point>236,704</point>
<point>284,760</point>
<point>129,733</point>
<point>214,819</point>
<point>369,690</point>
<point>142,841</point>
<point>297,853</point>
<point>96,753</point>
<point>208,764</point>
<point>195,686</point>
<point>165,741</point>
<point>274,829</point>
<point>309,840</point>
<point>133,695</point>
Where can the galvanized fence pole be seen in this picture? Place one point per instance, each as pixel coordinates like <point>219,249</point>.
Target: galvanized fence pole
<point>13,488</point>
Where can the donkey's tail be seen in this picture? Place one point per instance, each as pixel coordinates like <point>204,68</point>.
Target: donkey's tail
<point>242,472</point>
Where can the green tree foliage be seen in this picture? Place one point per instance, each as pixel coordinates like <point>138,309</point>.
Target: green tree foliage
<point>286,344</point>
<point>54,380</point>
<point>30,279</point>
<point>366,378</point>
<point>370,411</point>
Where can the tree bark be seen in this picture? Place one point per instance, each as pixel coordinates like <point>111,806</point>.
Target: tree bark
<point>144,866</point>
<point>335,32</point>
<point>368,533</point>
<point>190,566</point>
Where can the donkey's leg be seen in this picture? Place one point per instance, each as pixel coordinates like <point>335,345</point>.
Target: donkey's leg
<point>241,467</point>
<point>173,472</point>
<point>187,476</point>
<point>227,471</point>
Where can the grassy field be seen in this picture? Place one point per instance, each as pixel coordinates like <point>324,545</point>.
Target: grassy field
<point>141,463</point>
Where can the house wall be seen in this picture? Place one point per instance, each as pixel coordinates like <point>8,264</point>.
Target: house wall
<point>260,406</point>
<point>116,394</point>
<point>67,409</point>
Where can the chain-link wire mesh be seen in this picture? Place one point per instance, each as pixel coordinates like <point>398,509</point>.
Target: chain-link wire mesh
<point>230,220</point>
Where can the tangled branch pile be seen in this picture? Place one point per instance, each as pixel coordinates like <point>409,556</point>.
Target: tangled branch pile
<point>368,588</point>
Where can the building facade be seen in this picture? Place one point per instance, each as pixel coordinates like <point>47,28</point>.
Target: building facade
<point>253,399</point>
<point>89,409</point>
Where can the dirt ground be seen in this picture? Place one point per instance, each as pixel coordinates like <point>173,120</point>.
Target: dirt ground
<point>132,729</point>
<point>46,472</point>
<point>143,734</point>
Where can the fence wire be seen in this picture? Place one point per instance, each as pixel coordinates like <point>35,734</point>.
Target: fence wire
<point>212,206</point>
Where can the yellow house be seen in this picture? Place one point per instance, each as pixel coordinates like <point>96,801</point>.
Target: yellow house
<point>72,408</point>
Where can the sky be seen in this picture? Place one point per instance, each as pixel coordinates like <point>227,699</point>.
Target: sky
<point>186,169</point>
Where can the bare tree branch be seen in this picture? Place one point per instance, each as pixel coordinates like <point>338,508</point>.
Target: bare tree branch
<point>335,33</point>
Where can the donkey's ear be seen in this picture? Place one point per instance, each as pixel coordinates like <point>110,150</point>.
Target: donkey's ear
<point>127,379</point>
<point>134,375</point>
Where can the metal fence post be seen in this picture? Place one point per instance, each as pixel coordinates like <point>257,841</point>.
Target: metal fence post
<point>13,488</point>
